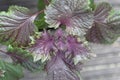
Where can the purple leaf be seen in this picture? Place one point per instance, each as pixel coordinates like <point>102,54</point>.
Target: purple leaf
<point>43,47</point>
<point>101,12</point>
<point>24,58</point>
<point>74,14</point>
<point>70,62</point>
<point>106,27</point>
<point>16,26</point>
<point>77,49</point>
<point>50,43</point>
<point>58,70</point>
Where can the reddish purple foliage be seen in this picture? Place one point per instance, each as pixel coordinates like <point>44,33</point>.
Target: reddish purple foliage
<point>51,42</point>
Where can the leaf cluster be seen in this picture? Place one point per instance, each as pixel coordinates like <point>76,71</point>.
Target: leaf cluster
<point>17,25</point>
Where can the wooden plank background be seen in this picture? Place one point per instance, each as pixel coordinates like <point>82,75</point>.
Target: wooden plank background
<point>106,66</point>
<point>4,4</point>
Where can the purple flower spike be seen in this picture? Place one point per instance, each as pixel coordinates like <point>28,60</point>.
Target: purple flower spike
<point>74,14</point>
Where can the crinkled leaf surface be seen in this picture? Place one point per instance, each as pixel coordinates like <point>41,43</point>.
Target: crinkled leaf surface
<point>76,15</point>
<point>102,12</point>
<point>58,70</point>
<point>12,72</point>
<point>106,27</point>
<point>25,59</point>
<point>16,25</point>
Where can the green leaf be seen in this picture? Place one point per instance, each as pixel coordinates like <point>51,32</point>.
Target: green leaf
<point>16,26</point>
<point>92,4</point>
<point>11,71</point>
<point>43,3</point>
<point>40,22</point>
<point>25,59</point>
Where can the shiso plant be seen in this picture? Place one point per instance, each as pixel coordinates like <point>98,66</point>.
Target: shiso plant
<point>55,39</point>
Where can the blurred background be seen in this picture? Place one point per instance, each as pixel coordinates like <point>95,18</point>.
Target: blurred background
<point>106,66</point>
<point>4,4</point>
